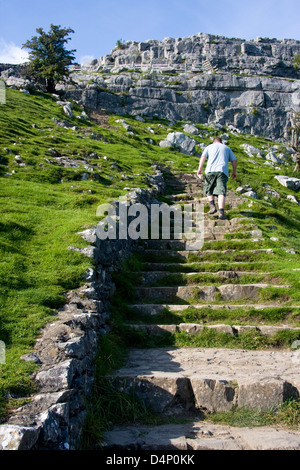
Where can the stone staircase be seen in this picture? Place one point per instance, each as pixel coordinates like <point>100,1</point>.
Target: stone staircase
<point>185,381</point>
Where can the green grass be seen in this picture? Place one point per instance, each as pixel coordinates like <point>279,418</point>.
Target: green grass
<point>208,267</point>
<point>43,205</point>
<point>205,279</point>
<point>205,315</point>
<point>210,338</point>
<point>287,415</point>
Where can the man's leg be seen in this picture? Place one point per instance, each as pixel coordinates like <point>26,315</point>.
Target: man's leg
<point>221,203</point>
<point>212,205</point>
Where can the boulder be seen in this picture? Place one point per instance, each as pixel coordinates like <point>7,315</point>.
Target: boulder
<point>68,111</point>
<point>191,129</point>
<point>179,141</point>
<point>292,198</point>
<point>289,182</point>
<point>251,150</point>
<point>271,156</point>
<point>251,194</point>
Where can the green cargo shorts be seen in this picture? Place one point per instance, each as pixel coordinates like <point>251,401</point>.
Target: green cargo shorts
<point>215,184</point>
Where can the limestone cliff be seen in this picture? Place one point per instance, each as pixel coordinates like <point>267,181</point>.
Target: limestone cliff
<point>252,85</point>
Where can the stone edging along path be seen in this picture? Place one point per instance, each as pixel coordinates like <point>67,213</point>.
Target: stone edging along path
<point>66,348</point>
<point>183,381</point>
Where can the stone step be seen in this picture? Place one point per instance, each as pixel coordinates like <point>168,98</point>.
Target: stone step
<point>226,292</point>
<point>216,233</point>
<point>187,381</point>
<point>150,277</point>
<point>196,328</point>
<point>180,245</point>
<point>198,435</point>
<point>198,193</point>
<point>186,254</point>
<point>156,309</point>
<point>182,267</point>
<point>214,221</point>
<point>231,203</point>
<point>214,379</point>
<point>239,240</point>
<point>184,187</point>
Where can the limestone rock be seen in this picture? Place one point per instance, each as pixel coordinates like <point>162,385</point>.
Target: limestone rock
<point>200,436</point>
<point>68,111</point>
<point>251,194</point>
<point>160,393</point>
<point>57,378</point>
<point>213,395</point>
<point>179,141</point>
<point>272,157</point>
<point>17,437</point>
<point>263,394</point>
<point>251,150</point>
<point>292,198</point>
<point>289,182</point>
<point>191,129</point>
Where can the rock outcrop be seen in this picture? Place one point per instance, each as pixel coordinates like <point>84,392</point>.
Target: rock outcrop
<point>203,52</point>
<point>252,85</point>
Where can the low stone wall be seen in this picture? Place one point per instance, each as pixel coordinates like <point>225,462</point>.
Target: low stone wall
<point>67,347</point>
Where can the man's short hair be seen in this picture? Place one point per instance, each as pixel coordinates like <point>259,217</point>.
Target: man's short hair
<point>217,139</point>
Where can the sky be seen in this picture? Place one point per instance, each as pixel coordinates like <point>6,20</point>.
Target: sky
<point>98,24</point>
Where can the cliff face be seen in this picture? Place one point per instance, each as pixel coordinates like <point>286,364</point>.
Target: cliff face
<point>252,85</point>
<point>259,56</point>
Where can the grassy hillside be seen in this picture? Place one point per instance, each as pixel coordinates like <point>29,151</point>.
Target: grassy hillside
<point>46,199</point>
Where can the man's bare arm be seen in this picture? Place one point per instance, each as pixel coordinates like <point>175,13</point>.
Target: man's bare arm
<point>201,164</point>
<point>234,166</point>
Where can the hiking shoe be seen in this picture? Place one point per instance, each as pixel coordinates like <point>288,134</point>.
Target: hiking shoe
<point>222,216</point>
<point>213,210</point>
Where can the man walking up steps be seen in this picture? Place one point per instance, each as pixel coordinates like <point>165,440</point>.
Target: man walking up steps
<point>216,173</point>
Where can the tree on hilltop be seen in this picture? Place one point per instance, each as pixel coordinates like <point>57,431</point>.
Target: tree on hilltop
<point>48,59</point>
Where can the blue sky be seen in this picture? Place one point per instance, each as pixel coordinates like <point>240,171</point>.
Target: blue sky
<point>98,24</point>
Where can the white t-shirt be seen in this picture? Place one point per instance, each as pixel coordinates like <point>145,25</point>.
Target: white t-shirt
<point>219,155</point>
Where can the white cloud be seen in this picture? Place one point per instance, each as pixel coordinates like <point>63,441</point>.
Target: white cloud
<point>12,54</point>
<point>86,58</point>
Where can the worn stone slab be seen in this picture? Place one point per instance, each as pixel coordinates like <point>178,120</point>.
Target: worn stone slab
<point>228,292</point>
<point>196,328</point>
<point>265,393</point>
<point>218,378</point>
<point>200,436</point>
<point>149,277</point>
<point>156,329</point>
<point>155,309</point>
<point>182,292</point>
<point>160,392</point>
<point>166,266</point>
<point>213,395</point>
<point>185,254</point>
